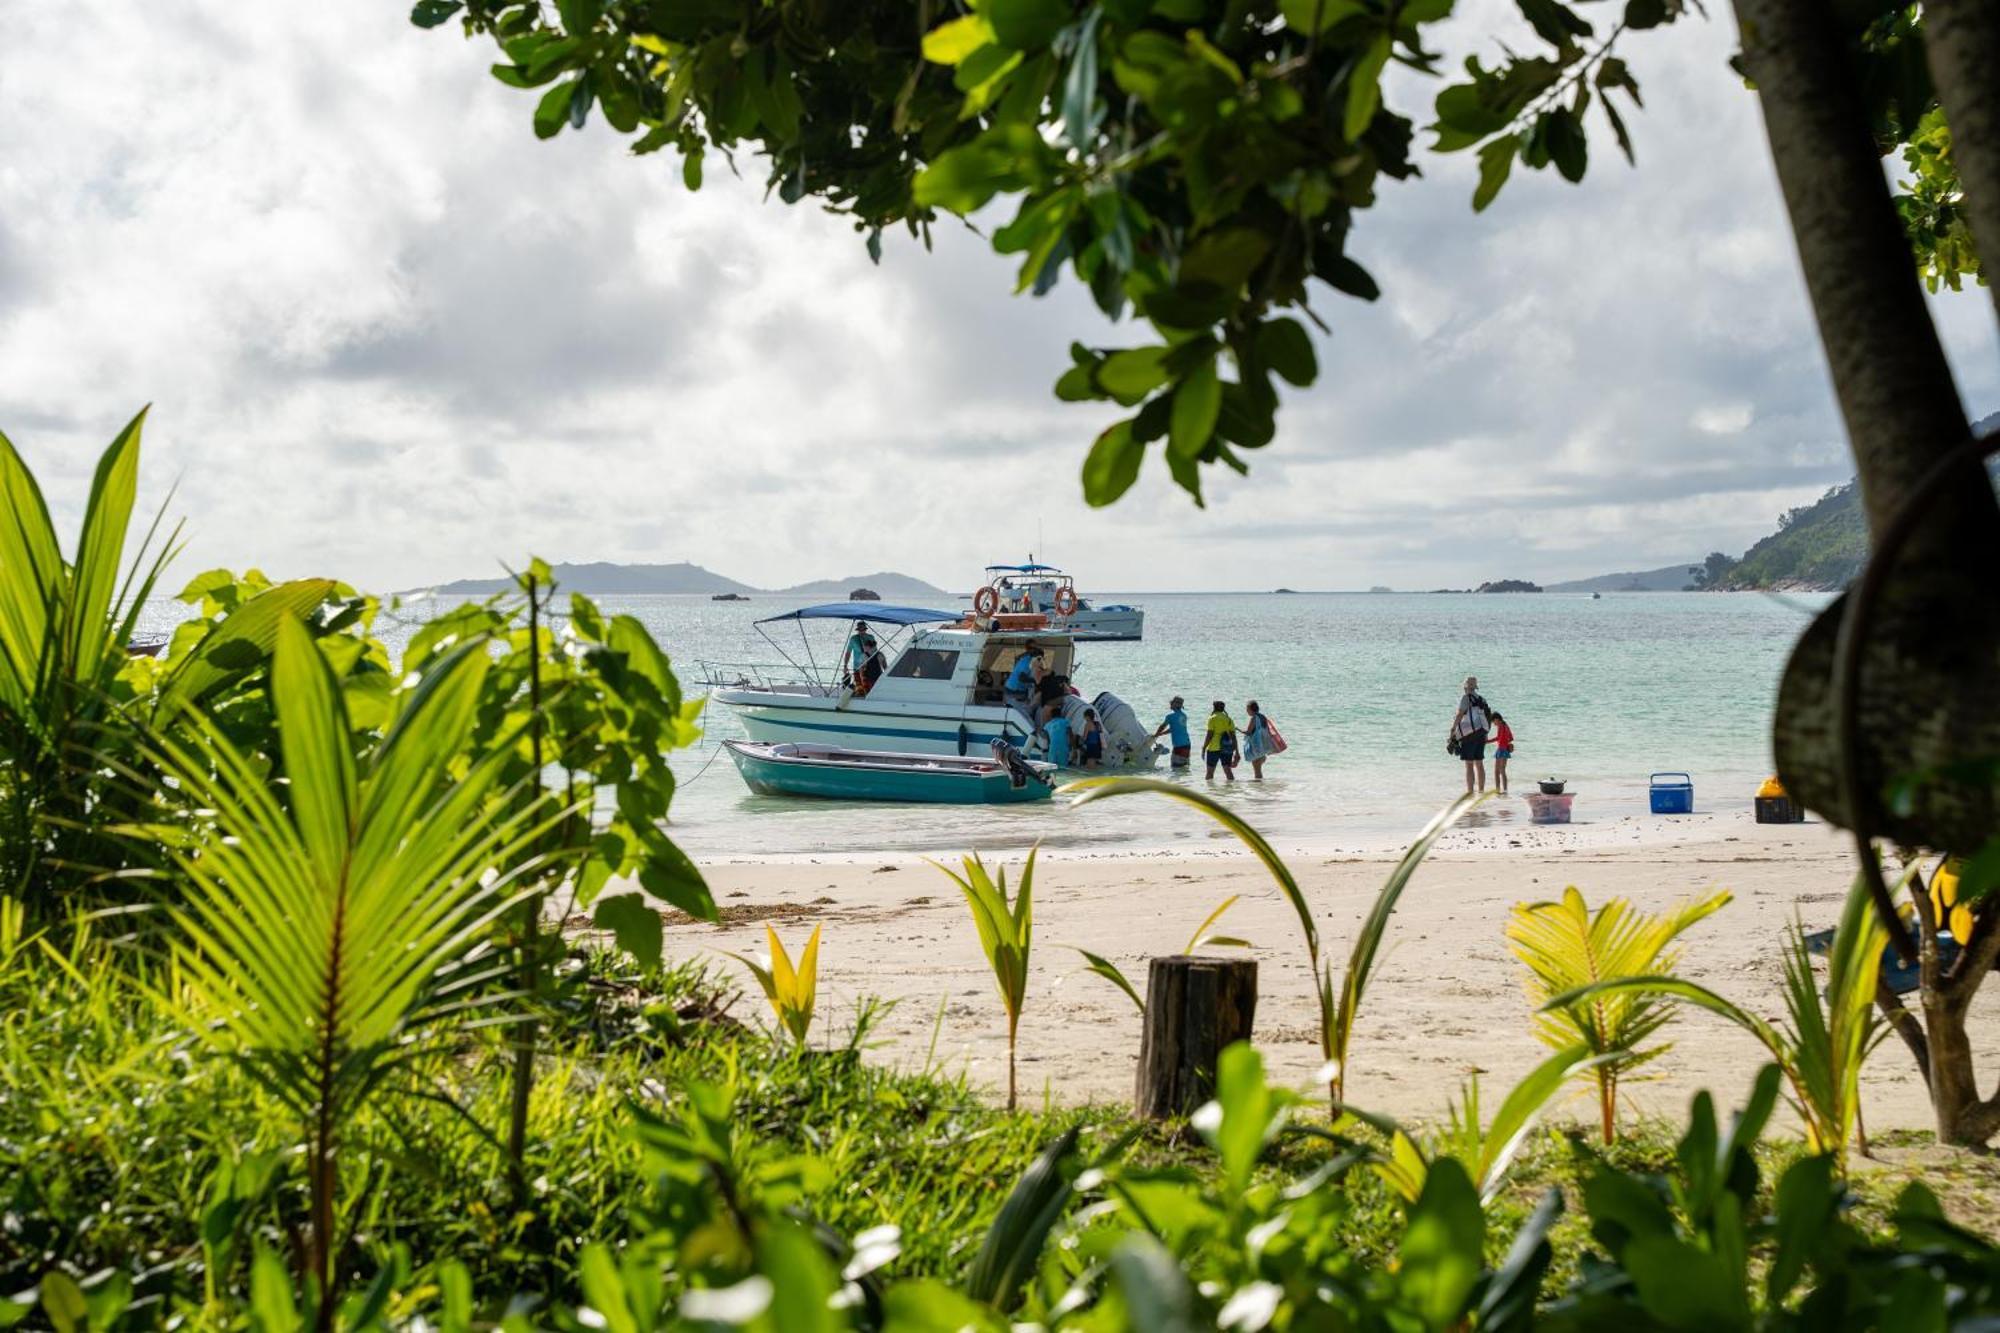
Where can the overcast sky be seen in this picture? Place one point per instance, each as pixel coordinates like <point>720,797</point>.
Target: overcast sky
<point>390,337</point>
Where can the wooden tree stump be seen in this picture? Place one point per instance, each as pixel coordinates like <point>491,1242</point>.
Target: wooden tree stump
<point>1195,1006</point>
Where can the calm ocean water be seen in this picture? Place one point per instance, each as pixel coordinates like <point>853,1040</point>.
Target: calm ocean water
<point>1601,693</point>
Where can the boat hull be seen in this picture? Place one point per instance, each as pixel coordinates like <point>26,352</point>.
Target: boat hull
<point>849,775</point>
<point>778,718</point>
<point>1127,626</point>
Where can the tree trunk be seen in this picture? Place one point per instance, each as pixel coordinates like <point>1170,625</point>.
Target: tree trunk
<point>1921,709</point>
<point>1195,1006</point>
<point>1962,46</point>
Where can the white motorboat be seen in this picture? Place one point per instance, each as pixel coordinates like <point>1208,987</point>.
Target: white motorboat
<point>1040,589</point>
<point>942,691</point>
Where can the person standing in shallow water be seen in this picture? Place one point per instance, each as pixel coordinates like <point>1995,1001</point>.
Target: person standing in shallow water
<point>1220,745</point>
<point>1503,750</point>
<point>1468,728</point>
<point>1175,724</point>
<point>1256,740</point>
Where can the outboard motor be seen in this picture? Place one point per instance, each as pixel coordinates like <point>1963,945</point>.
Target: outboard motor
<point>1127,742</point>
<point>1016,764</point>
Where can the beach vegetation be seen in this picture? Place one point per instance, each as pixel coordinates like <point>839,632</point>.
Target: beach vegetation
<point>790,989</point>
<point>1485,1150</point>
<point>1567,948</point>
<point>1006,933</point>
<point>1339,1002</point>
<point>1205,937</point>
<point>333,921</point>
<point>1829,1032</point>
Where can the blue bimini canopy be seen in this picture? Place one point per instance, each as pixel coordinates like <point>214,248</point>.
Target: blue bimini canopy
<point>1024,569</point>
<point>876,612</point>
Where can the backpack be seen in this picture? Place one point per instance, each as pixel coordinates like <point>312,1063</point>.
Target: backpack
<point>1475,716</point>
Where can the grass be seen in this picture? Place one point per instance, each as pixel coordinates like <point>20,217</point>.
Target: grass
<point>112,1124</point>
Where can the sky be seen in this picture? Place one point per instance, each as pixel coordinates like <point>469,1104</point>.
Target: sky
<point>388,336</point>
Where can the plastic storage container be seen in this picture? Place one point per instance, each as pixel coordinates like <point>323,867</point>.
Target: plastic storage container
<point>1775,805</point>
<point>1672,798</point>
<point>1546,808</point>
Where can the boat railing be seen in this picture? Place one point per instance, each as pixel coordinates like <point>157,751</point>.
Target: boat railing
<point>783,677</point>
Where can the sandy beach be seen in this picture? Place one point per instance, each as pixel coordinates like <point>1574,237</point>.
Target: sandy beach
<point>1447,999</point>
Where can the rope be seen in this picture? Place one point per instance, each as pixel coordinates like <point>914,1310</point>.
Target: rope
<point>703,769</point>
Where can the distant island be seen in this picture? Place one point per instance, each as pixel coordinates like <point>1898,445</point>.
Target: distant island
<point>601,578</point>
<point>1667,578</point>
<point>1290,592</point>
<point>1496,585</point>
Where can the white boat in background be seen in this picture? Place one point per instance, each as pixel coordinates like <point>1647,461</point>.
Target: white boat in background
<point>942,692</point>
<point>1040,589</point>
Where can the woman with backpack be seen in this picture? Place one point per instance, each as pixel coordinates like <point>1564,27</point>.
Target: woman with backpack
<point>1468,734</point>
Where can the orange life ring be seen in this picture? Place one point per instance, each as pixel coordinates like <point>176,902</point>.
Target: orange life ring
<point>1065,601</point>
<point>986,601</point>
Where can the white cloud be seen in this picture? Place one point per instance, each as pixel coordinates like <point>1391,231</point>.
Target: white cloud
<point>390,336</point>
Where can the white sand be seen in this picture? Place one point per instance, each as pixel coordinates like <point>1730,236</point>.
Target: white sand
<point>1446,1001</point>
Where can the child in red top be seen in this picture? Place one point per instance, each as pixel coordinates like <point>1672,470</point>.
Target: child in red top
<point>1503,750</point>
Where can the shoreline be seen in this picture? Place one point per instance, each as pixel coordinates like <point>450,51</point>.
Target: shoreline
<point>1446,1001</point>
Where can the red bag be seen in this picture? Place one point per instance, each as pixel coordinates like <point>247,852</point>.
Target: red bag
<point>1278,745</point>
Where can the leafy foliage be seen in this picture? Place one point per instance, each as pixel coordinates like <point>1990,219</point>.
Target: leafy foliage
<point>1006,932</point>
<point>323,931</point>
<point>790,989</point>
<point>1567,948</point>
<point>1198,165</point>
<point>1828,1038</point>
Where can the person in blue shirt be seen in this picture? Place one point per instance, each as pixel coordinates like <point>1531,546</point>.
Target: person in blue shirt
<point>1057,729</point>
<point>1175,726</point>
<point>857,649</point>
<point>1020,685</point>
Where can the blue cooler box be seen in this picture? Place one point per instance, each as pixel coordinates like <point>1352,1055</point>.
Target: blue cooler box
<point>1672,798</point>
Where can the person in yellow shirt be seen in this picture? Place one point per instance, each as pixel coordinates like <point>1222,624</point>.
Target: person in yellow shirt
<point>1220,746</point>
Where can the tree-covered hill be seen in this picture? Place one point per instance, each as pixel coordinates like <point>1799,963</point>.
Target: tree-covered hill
<point>1819,546</point>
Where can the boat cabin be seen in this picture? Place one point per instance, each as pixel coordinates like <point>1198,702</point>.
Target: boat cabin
<point>975,662</point>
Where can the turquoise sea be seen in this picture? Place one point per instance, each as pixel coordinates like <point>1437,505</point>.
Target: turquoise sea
<point>1599,692</point>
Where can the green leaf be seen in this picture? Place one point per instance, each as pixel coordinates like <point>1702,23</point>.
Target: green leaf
<point>634,924</point>
<point>552,112</point>
<point>1287,349</point>
<point>62,1301</point>
<point>950,43</point>
<point>1443,1247</point>
<point>1642,14</point>
<point>1081,109</point>
<point>318,750</point>
<point>1027,25</point>
<point>430,13</point>
<point>1496,161</point>
<point>1130,375</point>
<point>1109,970</point>
<point>1196,402</point>
<point>1112,465</point>
<point>241,641</point>
<point>1314,17</point>
<point>1224,259</point>
<point>1568,148</point>
<point>1364,88</point>
<point>1012,1249</point>
<point>1344,275</point>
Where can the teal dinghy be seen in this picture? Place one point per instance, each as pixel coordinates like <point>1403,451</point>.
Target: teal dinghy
<point>795,769</point>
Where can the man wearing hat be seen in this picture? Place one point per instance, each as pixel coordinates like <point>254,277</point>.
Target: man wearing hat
<point>858,644</point>
<point>1175,724</point>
